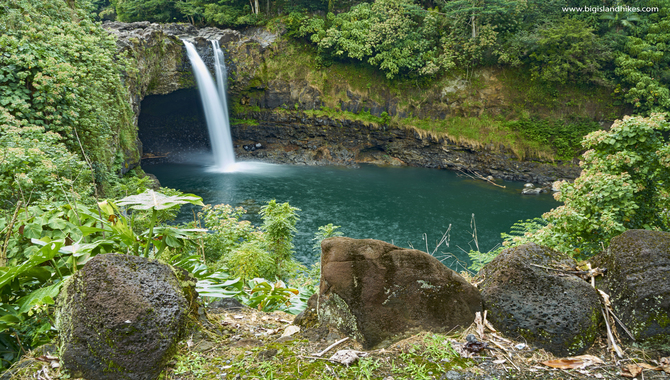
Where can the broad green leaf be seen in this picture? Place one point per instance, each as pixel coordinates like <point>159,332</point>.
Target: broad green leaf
<point>157,201</point>
<point>46,253</point>
<point>9,320</point>
<point>32,231</point>
<point>40,296</point>
<point>57,223</point>
<point>86,230</point>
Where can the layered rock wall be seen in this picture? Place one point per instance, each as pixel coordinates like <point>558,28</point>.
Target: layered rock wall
<point>300,139</point>
<point>274,100</point>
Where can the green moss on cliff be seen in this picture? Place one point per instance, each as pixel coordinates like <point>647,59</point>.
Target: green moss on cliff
<point>498,109</point>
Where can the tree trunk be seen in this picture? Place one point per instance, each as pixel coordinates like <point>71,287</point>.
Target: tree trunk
<point>474,27</point>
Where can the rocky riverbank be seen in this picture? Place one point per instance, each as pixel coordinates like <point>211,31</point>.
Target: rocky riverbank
<point>296,138</point>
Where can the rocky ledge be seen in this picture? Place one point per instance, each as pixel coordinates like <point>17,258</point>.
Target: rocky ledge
<point>296,138</point>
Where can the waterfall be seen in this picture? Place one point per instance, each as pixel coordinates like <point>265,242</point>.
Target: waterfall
<point>216,109</point>
<point>221,77</point>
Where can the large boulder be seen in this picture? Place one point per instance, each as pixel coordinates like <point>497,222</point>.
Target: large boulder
<point>638,283</point>
<point>121,316</point>
<point>376,292</point>
<point>547,308</point>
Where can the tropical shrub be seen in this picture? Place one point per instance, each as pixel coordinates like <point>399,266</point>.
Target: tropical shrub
<point>643,63</point>
<point>568,51</point>
<point>27,293</point>
<point>250,251</point>
<point>279,222</point>
<point>47,244</point>
<point>227,231</point>
<point>563,135</point>
<point>396,36</point>
<point>36,166</point>
<point>624,184</point>
<point>58,74</point>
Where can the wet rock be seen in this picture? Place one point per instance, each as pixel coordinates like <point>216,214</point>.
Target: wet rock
<point>532,190</point>
<point>376,292</point>
<point>121,316</point>
<point>296,138</point>
<point>155,184</point>
<point>638,283</point>
<point>549,310</point>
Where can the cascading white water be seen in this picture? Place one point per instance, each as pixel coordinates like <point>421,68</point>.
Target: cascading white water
<point>216,109</point>
<point>221,77</point>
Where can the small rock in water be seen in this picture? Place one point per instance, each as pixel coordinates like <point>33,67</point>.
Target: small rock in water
<point>532,191</point>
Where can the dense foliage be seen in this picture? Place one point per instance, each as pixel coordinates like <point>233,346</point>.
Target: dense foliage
<point>46,245</point>
<point>250,251</point>
<point>226,13</point>
<point>625,51</point>
<point>58,75</point>
<point>624,184</point>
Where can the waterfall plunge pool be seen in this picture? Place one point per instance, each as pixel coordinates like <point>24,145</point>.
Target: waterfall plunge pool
<point>394,204</point>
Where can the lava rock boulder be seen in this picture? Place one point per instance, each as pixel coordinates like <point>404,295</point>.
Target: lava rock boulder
<point>638,283</point>
<point>376,292</point>
<point>547,308</point>
<point>121,316</point>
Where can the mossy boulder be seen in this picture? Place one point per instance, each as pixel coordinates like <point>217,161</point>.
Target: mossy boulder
<point>121,317</point>
<point>638,283</point>
<point>376,292</point>
<point>548,309</point>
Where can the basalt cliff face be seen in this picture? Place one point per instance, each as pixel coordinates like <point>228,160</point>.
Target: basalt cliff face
<point>269,97</point>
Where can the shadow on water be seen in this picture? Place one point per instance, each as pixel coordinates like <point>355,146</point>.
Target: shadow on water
<point>394,204</point>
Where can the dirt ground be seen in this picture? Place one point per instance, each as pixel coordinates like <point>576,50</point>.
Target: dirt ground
<point>248,344</point>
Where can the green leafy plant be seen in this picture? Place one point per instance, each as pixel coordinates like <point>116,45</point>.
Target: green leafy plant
<point>27,292</point>
<point>279,222</point>
<point>57,75</point>
<point>247,250</point>
<point>228,232</point>
<point>438,348</point>
<point>642,65</point>
<point>251,260</point>
<point>151,200</point>
<point>214,283</point>
<point>568,50</point>
<point>324,232</point>
<point>411,368</point>
<point>268,296</point>
<point>365,368</point>
<point>623,185</point>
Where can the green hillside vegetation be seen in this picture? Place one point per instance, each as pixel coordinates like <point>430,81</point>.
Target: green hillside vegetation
<point>622,50</point>
<point>542,121</point>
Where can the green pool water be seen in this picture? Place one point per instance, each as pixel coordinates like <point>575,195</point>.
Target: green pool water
<point>395,204</point>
